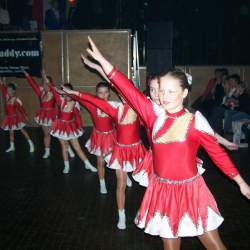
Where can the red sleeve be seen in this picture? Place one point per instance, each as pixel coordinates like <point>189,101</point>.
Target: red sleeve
<point>89,106</point>
<point>139,102</point>
<point>20,108</point>
<point>214,150</point>
<point>55,94</point>
<point>99,103</point>
<point>78,117</point>
<point>34,85</point>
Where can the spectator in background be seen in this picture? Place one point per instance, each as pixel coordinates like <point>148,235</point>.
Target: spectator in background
<point>213,94</point>
<point>239,108</point>
<point>54,18</point>
<point>218,111</point>
<point>4,15</point>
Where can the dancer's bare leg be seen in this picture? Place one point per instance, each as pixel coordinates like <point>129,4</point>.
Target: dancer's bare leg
<point>12,145</point>
<point>171,244</point>
<point>76,145</point>
<point>46,141</point>
<point>64,147</point>
<point>101,174</point>
<point>211,240</point>
<point>27,137</point>
<point>120,197</point>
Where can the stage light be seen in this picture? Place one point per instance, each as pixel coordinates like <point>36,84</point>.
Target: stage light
<point>72,2</point>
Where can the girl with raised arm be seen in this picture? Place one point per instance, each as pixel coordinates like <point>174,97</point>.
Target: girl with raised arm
<point>177,202</point>
<point>67,127</point>
<point>145,169</point>
<point>128,150</point>
<point>103,136</point>
<point>48,110</point>
<point>15,116</point>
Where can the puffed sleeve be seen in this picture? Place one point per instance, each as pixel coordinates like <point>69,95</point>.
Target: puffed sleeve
<point>208,141</point>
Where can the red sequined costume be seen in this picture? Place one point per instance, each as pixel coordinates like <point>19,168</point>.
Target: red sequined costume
<point>15,112</point>
<point>48,111</point>
<point>102,138</point>
<point>145,169</point>
<point>128,150</point>
<point>177,202</point>
<point>68,124</point>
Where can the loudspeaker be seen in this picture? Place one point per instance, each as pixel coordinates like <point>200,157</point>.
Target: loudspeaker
<point>159,47</point>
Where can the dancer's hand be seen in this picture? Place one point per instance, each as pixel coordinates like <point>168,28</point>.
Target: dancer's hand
<point>69,91</point>
<point>231,146</point>
<point>95,53</point>
<point>89,63</point>
<point>245,189</point>
<point>94,66</point>
<point>44,76</point>
<point>24,71</point>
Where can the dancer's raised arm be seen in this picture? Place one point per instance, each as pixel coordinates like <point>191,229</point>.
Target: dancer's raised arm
<point>94,66</point>
<point>99,103</point>
<point>55,94</point>
<point>125,87</point>
<point>32,82</point>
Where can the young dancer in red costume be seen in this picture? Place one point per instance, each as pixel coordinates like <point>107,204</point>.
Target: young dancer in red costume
<point>128,150</point>
<point>47,112</point>
<point>68,127</point>
<point>15,115</point>
<point>177,202</point>
<point>102,138</point>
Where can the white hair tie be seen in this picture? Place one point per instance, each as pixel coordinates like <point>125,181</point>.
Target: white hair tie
<point>189,78</point>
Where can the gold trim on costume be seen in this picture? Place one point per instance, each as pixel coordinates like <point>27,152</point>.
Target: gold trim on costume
<point>177,131</point>
<point>129,118</point>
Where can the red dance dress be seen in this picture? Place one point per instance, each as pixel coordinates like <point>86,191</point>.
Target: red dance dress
<point>48,111</point>
<point>177,202</point>
<point>15,112</point>
<point>68,124</point>
<point>103,136</point>
<point>145,170</point>
<point>128,150</point>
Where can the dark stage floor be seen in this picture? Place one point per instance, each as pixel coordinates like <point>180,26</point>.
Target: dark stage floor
<point>43,209</point>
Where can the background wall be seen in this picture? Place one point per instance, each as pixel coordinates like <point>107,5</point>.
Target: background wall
<point>61,60</point>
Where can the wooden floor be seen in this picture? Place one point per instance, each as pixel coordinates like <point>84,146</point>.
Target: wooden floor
<point>43,209</point>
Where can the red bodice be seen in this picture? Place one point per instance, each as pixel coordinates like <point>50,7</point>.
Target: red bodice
<point>127,132</point>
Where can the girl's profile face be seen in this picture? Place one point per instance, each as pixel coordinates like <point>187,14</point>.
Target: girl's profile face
<point>45,86</point>
<point>154,91</point>
<point>171,94</point>
<point>10,91</point>
<point>68,98</point>
<point>103,93</point>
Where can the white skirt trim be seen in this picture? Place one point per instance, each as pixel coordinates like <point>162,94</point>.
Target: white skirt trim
<point>45,122</point>
<point>159,225</point>
<point>18,127</point>
<point>127,166</point>
<point>142,178</point>
<point>66,136</point>
<point>96,152</point>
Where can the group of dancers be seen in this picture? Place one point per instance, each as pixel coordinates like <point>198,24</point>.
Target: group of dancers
<point>177,202</point>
